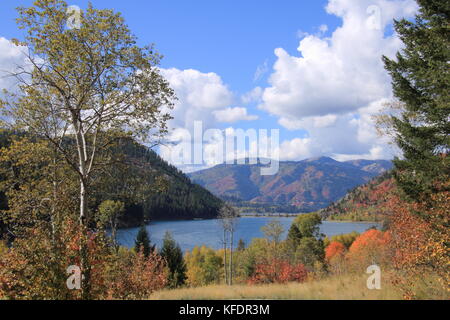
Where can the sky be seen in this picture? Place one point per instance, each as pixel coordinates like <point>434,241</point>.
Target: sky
<point>311,69</point>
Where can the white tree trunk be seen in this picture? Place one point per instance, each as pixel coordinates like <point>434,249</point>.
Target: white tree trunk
<point>83,203</point>
<point>225,255</point>
<point>231,257</point>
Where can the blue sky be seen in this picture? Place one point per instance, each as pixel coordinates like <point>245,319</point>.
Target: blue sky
<point>230,38</point>
<point>314,67</point>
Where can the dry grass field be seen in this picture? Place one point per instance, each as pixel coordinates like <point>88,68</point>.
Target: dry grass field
<point>347,287</point>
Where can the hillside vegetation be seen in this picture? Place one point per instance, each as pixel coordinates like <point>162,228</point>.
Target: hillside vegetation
<point>149,187</point>
<point>364,203</point>
<point>179,197</point>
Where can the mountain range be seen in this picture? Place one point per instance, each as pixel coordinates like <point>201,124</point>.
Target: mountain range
<point>307,185</point>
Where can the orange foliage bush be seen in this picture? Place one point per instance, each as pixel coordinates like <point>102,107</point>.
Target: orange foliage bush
<point>136,276</point>
<point>278,271</point>
<point>371,247</point>
<point>36,267</point>
<point>334,249</point>
<point>420,238</point>
<point>368,240</point>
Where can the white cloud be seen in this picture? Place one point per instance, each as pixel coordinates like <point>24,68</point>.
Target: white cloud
<point>296,149</point>
<point>202,98</point>
<point>231,115</point>
<point>199,94</point>
<point>332,89</point>
<point>11,57</point>
<point>375,153</point>
<point>261,70</point>
<point>252,96</point>
<point>315,122</point>
<point>302,34</point>
<point>343,137</point>
<point>340,74</point>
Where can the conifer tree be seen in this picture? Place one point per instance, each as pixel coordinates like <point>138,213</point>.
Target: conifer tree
<point>294,235</point>
<point>142,242</point>
<point>421,82</point>
<point>241,245</point>
<point>172,254</point>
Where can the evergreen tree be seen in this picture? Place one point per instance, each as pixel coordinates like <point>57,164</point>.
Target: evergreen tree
<point>249,264</point>
<point>173,255</point>
<point>142,242</point>
<point>294,235</point>
<point>421,81</point>
<point>309,251</point>
<point>309,225</point>
<point>241,245</point>
<point>305,239</point>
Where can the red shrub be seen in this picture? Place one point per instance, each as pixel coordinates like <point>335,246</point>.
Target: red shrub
<point>279,271</point>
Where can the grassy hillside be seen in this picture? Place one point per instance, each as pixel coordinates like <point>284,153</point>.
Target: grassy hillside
<point>348,287</point>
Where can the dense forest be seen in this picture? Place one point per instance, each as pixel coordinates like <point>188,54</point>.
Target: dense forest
<point>179,198</point>
<point>159,190</point>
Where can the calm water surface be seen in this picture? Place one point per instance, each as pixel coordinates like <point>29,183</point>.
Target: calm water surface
<point>208,232</point>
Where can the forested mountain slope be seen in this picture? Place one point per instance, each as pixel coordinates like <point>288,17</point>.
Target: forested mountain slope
<point>307,185</point>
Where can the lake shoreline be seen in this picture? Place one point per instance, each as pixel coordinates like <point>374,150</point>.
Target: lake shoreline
<point>353,221</point>
<point>191,233</point>
<point>274,215</point>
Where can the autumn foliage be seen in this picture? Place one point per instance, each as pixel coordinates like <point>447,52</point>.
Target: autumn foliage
<point>278,271</point>
<point>420,238</point>
<point>364,203</point>
<point>370,248</point>
<point>136,276</point>
<point>334,249</point>
<point>371,239</point>
<point>36,267</point>
<point>414,250</point>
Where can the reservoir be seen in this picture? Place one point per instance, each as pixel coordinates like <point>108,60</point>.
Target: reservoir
<point>191,233</point>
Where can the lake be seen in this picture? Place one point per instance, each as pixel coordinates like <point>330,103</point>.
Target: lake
<point>193,233</point>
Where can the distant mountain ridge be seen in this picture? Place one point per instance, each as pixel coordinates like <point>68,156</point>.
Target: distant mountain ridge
<point>308,185</point>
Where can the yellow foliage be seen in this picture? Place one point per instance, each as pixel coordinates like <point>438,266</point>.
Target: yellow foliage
<point>204,266</point>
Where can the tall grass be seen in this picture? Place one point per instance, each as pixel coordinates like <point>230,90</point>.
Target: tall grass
<point>348,287</point>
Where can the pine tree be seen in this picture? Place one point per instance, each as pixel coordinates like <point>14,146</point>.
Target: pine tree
<point>241,245</point>
<point>173,255</point>
<point>421,82</point>
<point>294,235</point>
<point>142,242</point>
